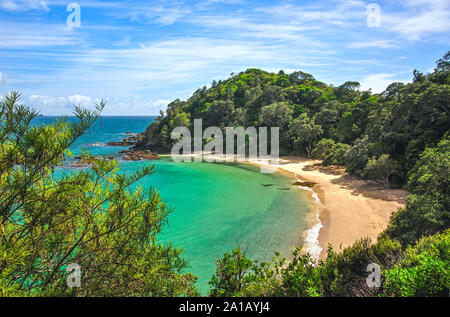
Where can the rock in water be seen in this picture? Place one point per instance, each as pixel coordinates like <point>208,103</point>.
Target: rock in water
<point>307,184</point>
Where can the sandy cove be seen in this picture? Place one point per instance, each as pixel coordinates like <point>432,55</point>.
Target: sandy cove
<point>352,208</point>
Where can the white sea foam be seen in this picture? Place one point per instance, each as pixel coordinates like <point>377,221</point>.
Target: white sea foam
<point>312,235</point>
<point>97,144</point>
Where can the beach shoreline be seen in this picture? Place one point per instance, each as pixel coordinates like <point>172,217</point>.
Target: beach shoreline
<point>350,209</point>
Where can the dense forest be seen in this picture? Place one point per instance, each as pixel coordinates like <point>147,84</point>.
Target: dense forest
<point>398,138</point>
<point>98,219</point>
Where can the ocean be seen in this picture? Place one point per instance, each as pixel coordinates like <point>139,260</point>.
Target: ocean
<point>217,206</point>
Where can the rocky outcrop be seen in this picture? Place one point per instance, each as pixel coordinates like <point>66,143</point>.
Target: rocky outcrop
<point>129,141</point>
<point>137,155</point>
<point>137,151</point>
<point>151,140</point>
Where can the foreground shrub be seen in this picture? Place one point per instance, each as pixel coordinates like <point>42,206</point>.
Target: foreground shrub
<point>424,270</point>
<point>90,218</point>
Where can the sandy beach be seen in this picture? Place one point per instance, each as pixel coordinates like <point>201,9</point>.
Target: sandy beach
<point>352,208</point>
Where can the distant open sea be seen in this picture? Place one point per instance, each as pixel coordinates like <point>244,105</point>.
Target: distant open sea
<point>218,206</point>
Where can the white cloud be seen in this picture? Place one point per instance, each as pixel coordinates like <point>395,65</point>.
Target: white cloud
<point>420,19</point>
<point>326,16</point>
<point>136,105</point>
<point>378,82</point>
<point>49,105</point>
<point>157,64</point>
<point>24,5</point>
<point>27,35</point>
<point>80,100</point>
<point>158,14</point>
<point>374,44</point>
<point>59,105</point>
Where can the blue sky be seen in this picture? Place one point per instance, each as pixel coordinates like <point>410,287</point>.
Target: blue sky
<point>139,55</point>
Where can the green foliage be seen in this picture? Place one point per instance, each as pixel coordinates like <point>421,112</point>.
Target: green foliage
<point>358,156</point>
<point>299,277</point>
<point>330,152</point>
<point>180,120</point>
<point>230,277</point>
<point>278,114</point>
<point>380,169</point>
<point>345,273</point>
<point>304,133</point>
<point>323,149</point>
<point>424,270</point>
<point>327,118</point>
<point>251,98</point>
<point>427,210</point>
<point>337,155</point>
<point>340,274</point>
<point>430,175</point>
<point>91,217</point>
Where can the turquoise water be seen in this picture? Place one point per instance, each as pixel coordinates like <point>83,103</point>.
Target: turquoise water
<point>217,206</point>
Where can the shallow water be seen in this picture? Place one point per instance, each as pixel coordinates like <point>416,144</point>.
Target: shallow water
<point>217,206</point>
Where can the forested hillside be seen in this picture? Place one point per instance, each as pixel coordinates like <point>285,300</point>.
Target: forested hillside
<point>376,136</point>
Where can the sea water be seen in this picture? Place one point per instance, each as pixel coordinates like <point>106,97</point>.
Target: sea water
<point>217,206</point>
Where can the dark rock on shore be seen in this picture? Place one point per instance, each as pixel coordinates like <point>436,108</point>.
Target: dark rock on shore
<point>128,141</point>
<point>125,142</point>
<point>136,155</point>
<point>120,143</point>
<point>307,184</point>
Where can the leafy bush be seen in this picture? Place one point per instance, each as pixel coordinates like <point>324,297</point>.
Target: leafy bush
<point>424,270</point>
<point>231,274</point>
<point>337,155</point>
<point>380,169</point>
<point>323,149</point>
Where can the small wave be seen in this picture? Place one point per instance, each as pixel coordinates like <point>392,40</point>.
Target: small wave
<point>97,144</point>
<point>312,235</point>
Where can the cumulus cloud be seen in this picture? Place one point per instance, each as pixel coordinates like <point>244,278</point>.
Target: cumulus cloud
<point>379,82</point>
<point>59,105</point>
<point>80,100</point>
